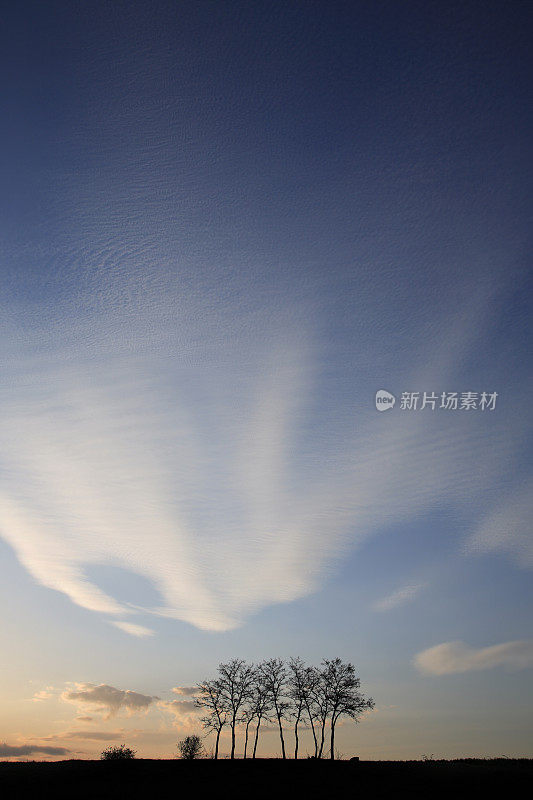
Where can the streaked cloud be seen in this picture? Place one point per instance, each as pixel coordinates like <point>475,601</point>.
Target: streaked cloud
<point>15,751</point>
<point>453,657</point>
<point>96,735</point>
<point>185,690</point>
<point>89,735</point>
<point>507,527</point>
<point>180,434</point>
<point>133,629</point>
<point>399,597</point>
<point>108,699</point>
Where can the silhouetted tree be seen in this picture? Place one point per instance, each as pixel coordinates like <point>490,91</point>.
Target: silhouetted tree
<point>117,752</point>
<point>191,747</point>
<point>296,691</point>
<point>311,679</point>
<point>211,698</point>
<point>244,694</point>
<point>344,694</point>
<point>259,704</point>
<point>247,717</point>
<point>274,677</point>
<point>320,705</point>
<point>236,680</point>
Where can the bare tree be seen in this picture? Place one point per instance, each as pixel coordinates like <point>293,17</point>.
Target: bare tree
<point>236,680</point>
<point>247,717</point>
<point>296,689</point>
<point>274,677</point>
<point>311,679</point>
<point>211,697</point>
<point>260,705</point>
<point>344,694</point>
<point>321,705</point>
<point>244,694</point>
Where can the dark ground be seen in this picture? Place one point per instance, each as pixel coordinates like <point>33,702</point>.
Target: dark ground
<point>154,779</point>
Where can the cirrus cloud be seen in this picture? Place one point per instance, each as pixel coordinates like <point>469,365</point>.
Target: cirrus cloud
<point>455,657</point>
<point>133,629</point>
<point>507,528</point>
<point>183,449</point>
<point>402,595</point>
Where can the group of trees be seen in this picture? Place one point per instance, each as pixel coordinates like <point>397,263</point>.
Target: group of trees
<point>245,696</point>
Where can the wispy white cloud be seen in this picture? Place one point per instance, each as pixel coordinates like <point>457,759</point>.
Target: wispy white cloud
<point>399,597</point>
<point>133,629</point>
<point>507,528</point>
<point>451,657</point>
<point>177,434</point>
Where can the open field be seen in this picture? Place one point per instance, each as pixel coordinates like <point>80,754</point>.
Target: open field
<point>154,778</point>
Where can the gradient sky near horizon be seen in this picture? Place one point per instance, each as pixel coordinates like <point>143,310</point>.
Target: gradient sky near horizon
<point>225,227</point>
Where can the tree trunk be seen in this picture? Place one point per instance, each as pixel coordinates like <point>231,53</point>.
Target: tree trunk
<point>296,736</point>
<point>233,738</point>
<point>332,741</point>
<point>312,728</point>
<point>281,737</point>
<point>256,737</point>
<point>322,738</point>
<point>216,745</point>
<point>246,739</point>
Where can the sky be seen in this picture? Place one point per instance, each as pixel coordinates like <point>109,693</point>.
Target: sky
<point>225,228</point>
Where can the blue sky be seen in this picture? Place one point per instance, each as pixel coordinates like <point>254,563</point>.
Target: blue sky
<point>225,228</point>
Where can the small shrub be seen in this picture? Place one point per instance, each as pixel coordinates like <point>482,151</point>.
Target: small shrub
<point>191,747</point>
<point>117,752</point>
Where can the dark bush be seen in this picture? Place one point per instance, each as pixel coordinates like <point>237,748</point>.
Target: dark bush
<point>191,747</point>
<point>118,752</point>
